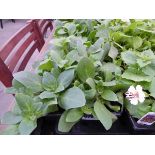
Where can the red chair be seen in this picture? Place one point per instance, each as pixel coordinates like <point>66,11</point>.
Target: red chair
<point>16,53</point>
<point>44,26</point>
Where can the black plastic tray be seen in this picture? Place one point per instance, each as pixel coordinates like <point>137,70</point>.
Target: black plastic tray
<point>38,130</point>
<point>136,128</point>
<point>88,125</point>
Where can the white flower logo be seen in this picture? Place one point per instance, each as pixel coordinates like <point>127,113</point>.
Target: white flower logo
<point>135,95</point>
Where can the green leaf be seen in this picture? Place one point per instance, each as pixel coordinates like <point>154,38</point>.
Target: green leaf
<point>11,90</point>
<point>91,83</point>
<point>109,84</point>
<point>52,101</point>
<point>149,70</point>
<point>74,115</point>
<point>10,130</point>
<point>72,56</point>
<point>129,57</point>
<point>103,115</point>
<point>109,95</point>
<point>61,32</point>
<point>60,88</point>
<point>71,27</point>
<point>135,75</point>
<point>64,126</point>
<point>49,82</point>
<point>110,67</point>
<point>143,63</point>
<point>29,108</point>
<point>58,58</point>
<point>90,94</point>
<point>87,110</point>
<point>152,87</point>
<point>120,97</point>
<point>24,102</point>
<point>26,127</point>
<point>81,49</point>
<point>46,65</point>
<point>46,94</point>
<point>20,88</point>
<point>85,69</point>
<point>73,98</point>
<point>113,52</point>
<point>66,77</point>
<point>11,118</point>
<point>29,80</point>
<point>135,42</point>
<point>153,107</point>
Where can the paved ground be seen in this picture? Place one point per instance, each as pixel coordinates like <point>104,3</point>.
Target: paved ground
<point>10,28</point>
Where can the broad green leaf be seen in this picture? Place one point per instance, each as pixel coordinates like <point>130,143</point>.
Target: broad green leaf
<point>91,83</point>
<point>72,98</point>
<point>52,101</point>
<point>96,47</point>
<point>98,55</point>
<point>64,126</point>
<point>129,57</point>
<point>72,56</point>
<point>46,65</point>
<point>49,82</point>
<point>66,77</point>
<point>29,108</point>
<point>46,94</point>
<point>50,109</point>
<point>11,118</point>
<point>74,115</point>
<point>103,115</point>
<point>149,70</point>
<point>24,102</point>
<point>135,42</point>
<point>57,57</point>
<point>108,75</point>
<point>153,107</point>
<point>26,127</point>
<point>142,63</point>
<point>109,95</point>
<point>85,69</point>
<point>60,88</point>
<point>81,49</point>
<point>120,97</point>
<point>110,83</point>
<point>71,27</point>
<point>90,94</point>
<point>110,67</point>
<point>29,80</point>
<point>135,76</point>
<point>113,52</point>
<point>152,87</point>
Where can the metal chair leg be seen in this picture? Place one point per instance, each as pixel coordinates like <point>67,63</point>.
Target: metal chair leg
<point>1,23</point>
<point>13,20</point>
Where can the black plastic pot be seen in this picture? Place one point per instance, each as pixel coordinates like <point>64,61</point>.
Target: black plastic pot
<point>38,130</point>
<point>49,123</point>
<point>88,125</point>
<point>136,128</point>
<point>94,127</point>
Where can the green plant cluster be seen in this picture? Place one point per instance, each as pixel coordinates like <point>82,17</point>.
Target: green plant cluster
<point>89,67</point>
